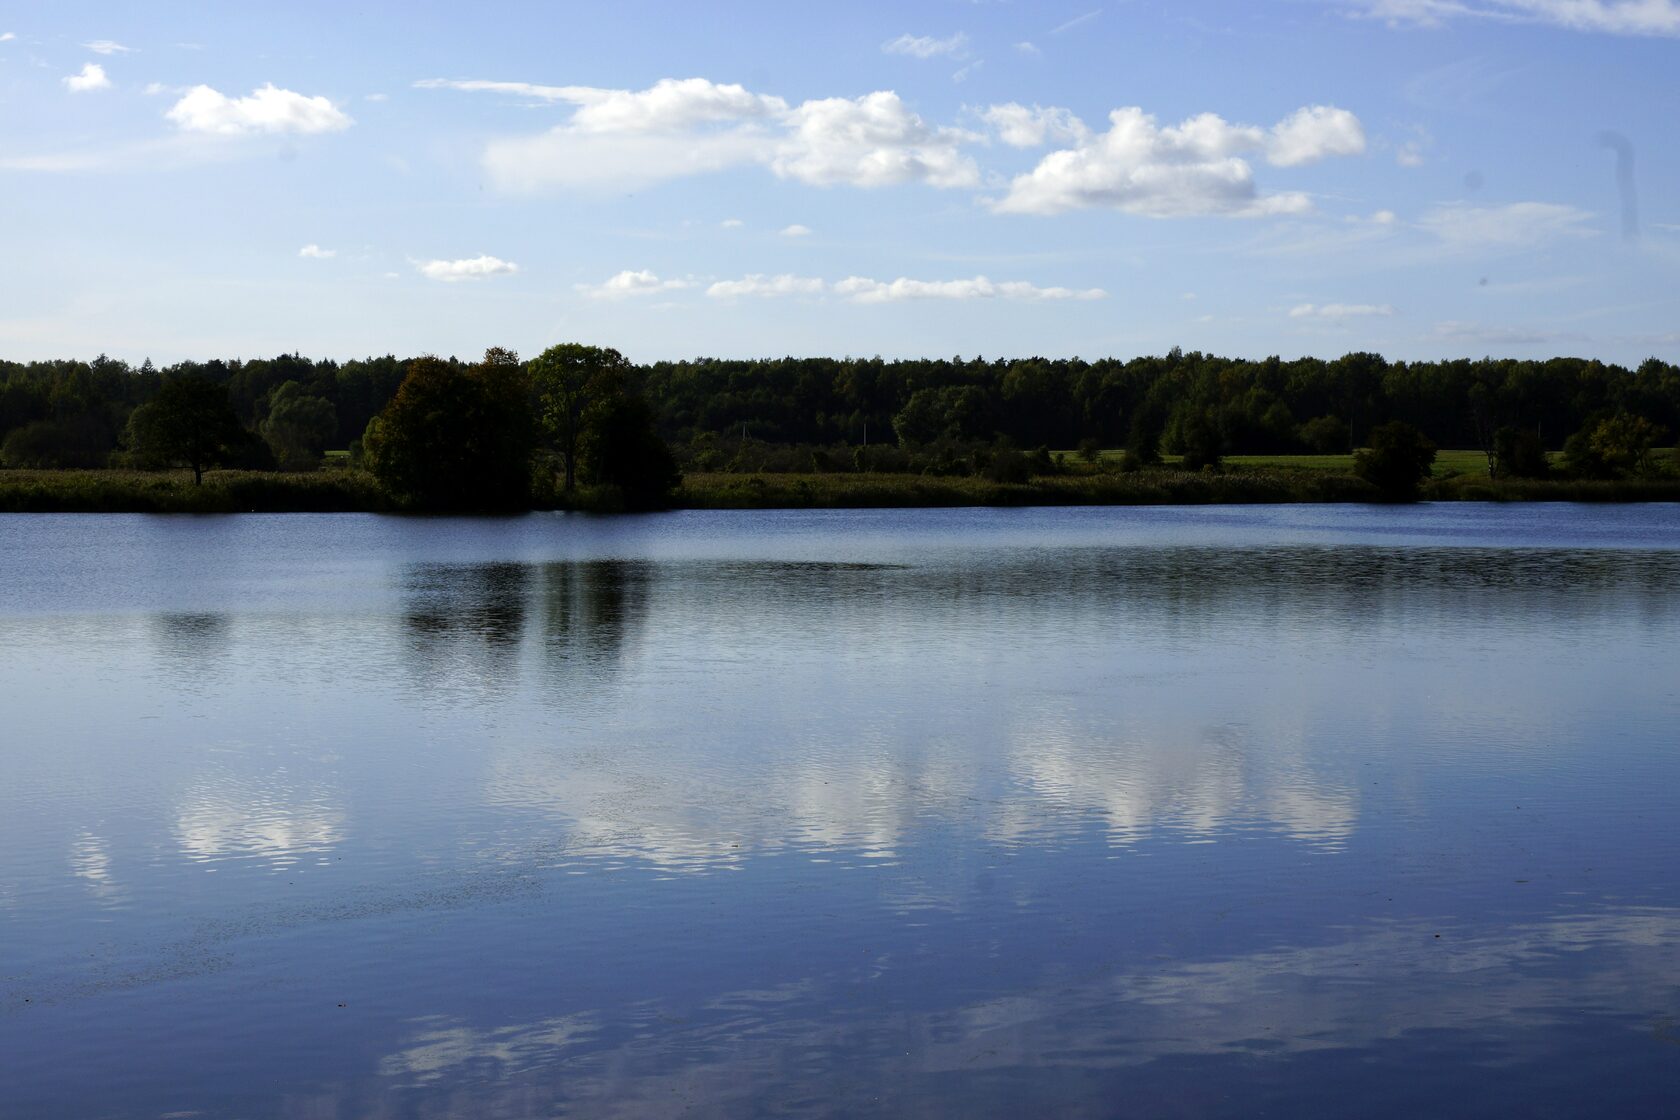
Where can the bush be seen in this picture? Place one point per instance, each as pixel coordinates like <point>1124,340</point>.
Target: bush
<point>1397,462</point>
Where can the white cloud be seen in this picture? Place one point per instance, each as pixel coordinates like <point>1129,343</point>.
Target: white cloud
<point>468,268</point>
<point>796,230</point>
<point>91,77</point>
<point>622,138</point>
<point>1384,218</point>
<point>871,141</point>
<point>1611,17</point>
<point>1339,311</point>
<point>1028,48</point>
<point>268,109</point>
<point>862,290</point>
<point>316,252</point>
<point>632,283</point>
<point>107,46</point>
<point>1021,127</point>
<point>1076,21</point>
<point>1517,225</point>
<point>8,36</point>
<point>1409,154</point>
<point>1312,133</point>
<point>926,46</point>
<point>758,284</point>
<point>377,97</point>
<point>1483,334</point>
<point>732,223</point>
<point>1193,168</point>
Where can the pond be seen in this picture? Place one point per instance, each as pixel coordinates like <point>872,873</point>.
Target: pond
<point>958,813</point>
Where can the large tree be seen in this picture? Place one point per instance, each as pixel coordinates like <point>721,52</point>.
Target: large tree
<point>455,437</point>
<point>190,421</point>
<point>569,380</point>
<point>298,426</point>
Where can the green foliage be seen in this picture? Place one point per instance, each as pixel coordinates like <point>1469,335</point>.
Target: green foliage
<point>455,438</point>
<point>1200,443</point>
<point>1090,450</point>
<point>569,380</point>
<point>1397,461</point>
<point>298,426</point>
<point>1325,434</point>
<point>1618,446</point>
<point>79,441</point>
<point>620,448</point>
<point>1520,454</point>
<point>189,421</point>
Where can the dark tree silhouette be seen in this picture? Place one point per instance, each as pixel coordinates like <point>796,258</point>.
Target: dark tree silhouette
<point>189,421</point>
<point>455,437</point>
<point>1398,460</point>
<point>568,380</point>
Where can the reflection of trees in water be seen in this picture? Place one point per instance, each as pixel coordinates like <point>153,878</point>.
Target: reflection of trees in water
<point>193,636</point>
<point>465,622</point>
<point>468,623</point>
<point>590,612</point>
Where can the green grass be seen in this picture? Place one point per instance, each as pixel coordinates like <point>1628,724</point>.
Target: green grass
<point>1448,464</point>
<point>119,491</point>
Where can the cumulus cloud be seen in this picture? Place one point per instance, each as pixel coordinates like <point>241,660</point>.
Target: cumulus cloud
<point>468,268</point>
<point>1021,127</point>
<point>632,283</point>
<point>91,77</point>
<point>107,46</point>
<point>315,252</point>
<point>758,284</point>
<point>7,36</point>
<point>1192,168</point>
<point>268,109</point>
<point>871,141</point>
<point>926,46</point>
<point>796,230</point>
<point>732,223</point>
<point>1611,17</point>
<point>1517,225</point>
<point>691,126</point>
<point>1314,133</point>
<point>1338,311</point>
<point>862,290</point>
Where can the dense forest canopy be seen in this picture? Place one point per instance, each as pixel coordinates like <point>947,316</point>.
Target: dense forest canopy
<point>76,413</point>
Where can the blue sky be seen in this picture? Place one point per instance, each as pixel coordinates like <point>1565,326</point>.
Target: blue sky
<point>1427,178</point>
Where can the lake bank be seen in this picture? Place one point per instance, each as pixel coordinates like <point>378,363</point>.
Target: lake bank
<point>349,491</point>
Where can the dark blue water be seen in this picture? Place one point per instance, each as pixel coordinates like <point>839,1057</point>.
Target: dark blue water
<point>1221,812</point>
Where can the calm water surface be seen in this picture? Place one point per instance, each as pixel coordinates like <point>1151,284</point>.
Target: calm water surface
<point>1219,812</point>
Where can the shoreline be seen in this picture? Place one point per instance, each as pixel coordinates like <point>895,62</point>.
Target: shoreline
<point>347,491</point>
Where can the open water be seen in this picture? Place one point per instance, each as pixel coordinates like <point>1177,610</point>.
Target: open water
<point>1250,811</point>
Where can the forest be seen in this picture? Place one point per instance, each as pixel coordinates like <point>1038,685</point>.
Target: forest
<point>927,416</point>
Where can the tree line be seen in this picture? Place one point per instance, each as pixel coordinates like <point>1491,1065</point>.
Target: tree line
<point>914,414</point>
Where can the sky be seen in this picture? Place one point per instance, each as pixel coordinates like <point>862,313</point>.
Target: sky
<point>1422,178</point>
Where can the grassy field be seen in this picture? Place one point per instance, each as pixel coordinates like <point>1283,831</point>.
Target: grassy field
<point>1448,464</point>
<point>1246,480</point>
<point>94,491</point>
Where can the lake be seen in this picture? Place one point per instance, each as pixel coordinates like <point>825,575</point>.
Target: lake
<point>958,813</point>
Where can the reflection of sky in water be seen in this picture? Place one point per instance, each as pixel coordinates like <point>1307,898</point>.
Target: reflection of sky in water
<point>928,813</point>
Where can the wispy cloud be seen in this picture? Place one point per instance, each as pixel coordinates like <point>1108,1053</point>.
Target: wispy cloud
<point>1336,312</point>
<point>316,252</point>
<point>7,36</point>
<point>863,290</point>
<point>468,268</point>
<point>107,46</point>
<point>1609,17</point>
<point>796,230</point>
<point>926,46</point>
<point>1076,21</point>
<point>91,77</point>
<point>1516,225</point>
